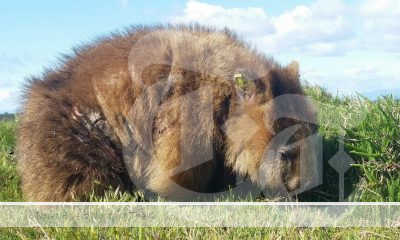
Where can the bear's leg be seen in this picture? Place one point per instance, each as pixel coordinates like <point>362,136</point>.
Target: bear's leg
<point>174,175</point>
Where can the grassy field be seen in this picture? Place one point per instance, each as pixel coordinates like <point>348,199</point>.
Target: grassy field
<point>371,136</point>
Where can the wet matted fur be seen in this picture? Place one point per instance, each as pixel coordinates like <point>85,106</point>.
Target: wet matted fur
<point>162,108</point>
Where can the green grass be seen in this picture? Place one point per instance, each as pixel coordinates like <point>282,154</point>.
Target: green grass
<point>371,137</point>
<point>9,180</point>
<point>200,233</point>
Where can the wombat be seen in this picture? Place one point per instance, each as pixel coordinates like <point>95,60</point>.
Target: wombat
<point>176,110</point>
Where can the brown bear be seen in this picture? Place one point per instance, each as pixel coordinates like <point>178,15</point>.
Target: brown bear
<point>177,110</point>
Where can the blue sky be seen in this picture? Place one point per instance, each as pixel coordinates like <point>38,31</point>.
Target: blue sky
<point>346,46</point>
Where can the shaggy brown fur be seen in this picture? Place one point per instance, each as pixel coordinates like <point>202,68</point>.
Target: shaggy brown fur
<point>158,106</point>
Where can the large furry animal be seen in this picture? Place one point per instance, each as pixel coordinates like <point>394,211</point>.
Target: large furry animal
<point>175,110</point>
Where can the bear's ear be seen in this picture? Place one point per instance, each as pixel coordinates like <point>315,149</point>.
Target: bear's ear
<point>245,86</point>
<point>293,70</point>
<point>285,80</point>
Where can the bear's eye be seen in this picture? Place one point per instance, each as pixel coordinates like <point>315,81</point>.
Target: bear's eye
<point>285,156</point>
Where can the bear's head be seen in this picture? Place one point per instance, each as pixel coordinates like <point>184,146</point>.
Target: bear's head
<point>272,134</point>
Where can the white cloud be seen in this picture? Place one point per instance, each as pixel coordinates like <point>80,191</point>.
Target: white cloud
<point>307,25</point>
<point>361,71</point>
<point>322,28</point>
<point>315,29</point>
<point>14,68</point>
<point>381,24</point>
<point>305,30</point>
<point>250,21</point>
<point>380,8</point>
<point>372,78</point>
<point>360,79</point>
<point>330,8</point>
<point>4,94</point>
<point>8,100</point>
